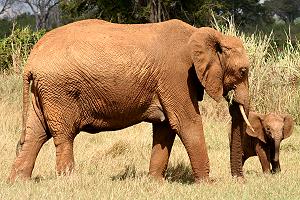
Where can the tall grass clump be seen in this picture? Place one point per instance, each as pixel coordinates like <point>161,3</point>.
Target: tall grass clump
<point>274,74</point>
<point>14,49</point>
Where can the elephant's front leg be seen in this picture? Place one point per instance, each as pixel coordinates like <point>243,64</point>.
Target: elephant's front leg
<point>194,142</point>
<point>192,136</point>
<point>264,158</point>
<point>163,138</point>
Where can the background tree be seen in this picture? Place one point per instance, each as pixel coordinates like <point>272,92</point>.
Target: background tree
<point>42,10</point>
<point>247,14</point>
<point>195,12</point>
<point>120,11</point>
<point>139,11</point>
<point>5,5</point>
<point>287,10</point>
<point>20,21</point>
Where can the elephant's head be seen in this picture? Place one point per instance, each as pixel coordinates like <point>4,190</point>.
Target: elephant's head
<point>222,65</point>
<point>271,129</point>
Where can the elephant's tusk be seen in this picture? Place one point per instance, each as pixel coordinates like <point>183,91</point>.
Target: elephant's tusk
<point>245,117</point>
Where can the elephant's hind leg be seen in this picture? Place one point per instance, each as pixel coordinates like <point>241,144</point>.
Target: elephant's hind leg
<point>35,137</point>
<point>64,155</point>
<point>163,138</point>
<point>64,131</point>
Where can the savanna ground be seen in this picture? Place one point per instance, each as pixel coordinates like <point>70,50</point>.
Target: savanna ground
<point>114,165</point>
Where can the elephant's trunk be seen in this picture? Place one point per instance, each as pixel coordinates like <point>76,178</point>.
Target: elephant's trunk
<point>275,160</point>
<point>238,127</point>
<point>277,147</point>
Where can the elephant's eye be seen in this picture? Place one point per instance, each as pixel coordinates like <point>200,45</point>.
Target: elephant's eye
<point>243,71</point>
<point>268,129</point>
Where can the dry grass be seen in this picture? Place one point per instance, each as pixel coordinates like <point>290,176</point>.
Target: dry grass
<point>114,165</point>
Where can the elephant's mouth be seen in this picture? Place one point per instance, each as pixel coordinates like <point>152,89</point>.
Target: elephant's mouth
<point>229,96</point>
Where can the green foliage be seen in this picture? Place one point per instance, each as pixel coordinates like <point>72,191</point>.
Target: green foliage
<point>246,13</point>
<point>5,25</point>
<point>15,48</point>
<point>195,12</point>
<point>21,21</point>
<point>124,11</point>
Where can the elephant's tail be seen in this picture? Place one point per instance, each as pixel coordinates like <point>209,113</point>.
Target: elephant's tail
<point>27,77</point>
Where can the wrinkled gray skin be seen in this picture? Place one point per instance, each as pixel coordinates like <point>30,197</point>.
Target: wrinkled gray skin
<point>95,76</point>
<point>270,130</point>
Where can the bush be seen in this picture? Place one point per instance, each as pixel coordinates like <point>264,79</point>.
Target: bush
<point>14,50</point>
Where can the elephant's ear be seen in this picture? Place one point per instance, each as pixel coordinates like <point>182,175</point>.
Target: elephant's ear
<point>205,46</point>
<point>256,122</point>
<point>288,126</point>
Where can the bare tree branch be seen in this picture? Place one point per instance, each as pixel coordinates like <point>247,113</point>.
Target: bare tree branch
<point>5,5</point>
<point>41,10</point>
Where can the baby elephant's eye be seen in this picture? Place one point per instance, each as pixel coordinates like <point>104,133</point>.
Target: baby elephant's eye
<point>267,129</point>
<point>243,71</point>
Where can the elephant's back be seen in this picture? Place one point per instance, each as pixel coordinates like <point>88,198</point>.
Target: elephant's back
<point>99,31</point>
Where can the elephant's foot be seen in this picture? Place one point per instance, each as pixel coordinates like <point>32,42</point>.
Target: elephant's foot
<point>202,178</point>
<point>157,177</point>
<point>66,168</point>
<point>64,158</point>
<point>275,167</point>
<point>26,156</point>
<point>276,170</point>
<point>157,172</point>
<point>239,179</point>
<point>206,180</point>
<point>19,172</point>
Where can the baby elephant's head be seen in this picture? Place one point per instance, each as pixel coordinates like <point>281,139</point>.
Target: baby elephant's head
<point>271,129</point>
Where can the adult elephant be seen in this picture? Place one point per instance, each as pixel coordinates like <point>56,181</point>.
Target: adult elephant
<point>97,76</point>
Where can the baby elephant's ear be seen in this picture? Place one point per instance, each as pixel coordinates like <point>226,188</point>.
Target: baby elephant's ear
<point>256,122</point>
<point>288,125</point>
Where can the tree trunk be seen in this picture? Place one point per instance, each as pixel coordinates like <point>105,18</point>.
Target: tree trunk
<point>156,11</point>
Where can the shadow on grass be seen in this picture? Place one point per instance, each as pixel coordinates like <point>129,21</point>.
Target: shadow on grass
<point>180,173</point>
<point>40,178</point>
<point>253,172</point>
<point>128,173</point>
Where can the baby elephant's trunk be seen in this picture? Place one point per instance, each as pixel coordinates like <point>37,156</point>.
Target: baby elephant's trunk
<point>275,160</point>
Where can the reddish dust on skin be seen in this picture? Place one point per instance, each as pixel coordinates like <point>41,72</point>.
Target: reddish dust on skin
<point>97,76</point>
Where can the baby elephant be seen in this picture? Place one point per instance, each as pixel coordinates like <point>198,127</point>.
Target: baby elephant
<point>270,130</point>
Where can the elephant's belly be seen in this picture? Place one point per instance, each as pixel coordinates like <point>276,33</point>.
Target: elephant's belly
<point>103,125</point>
<point>117,121</point>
